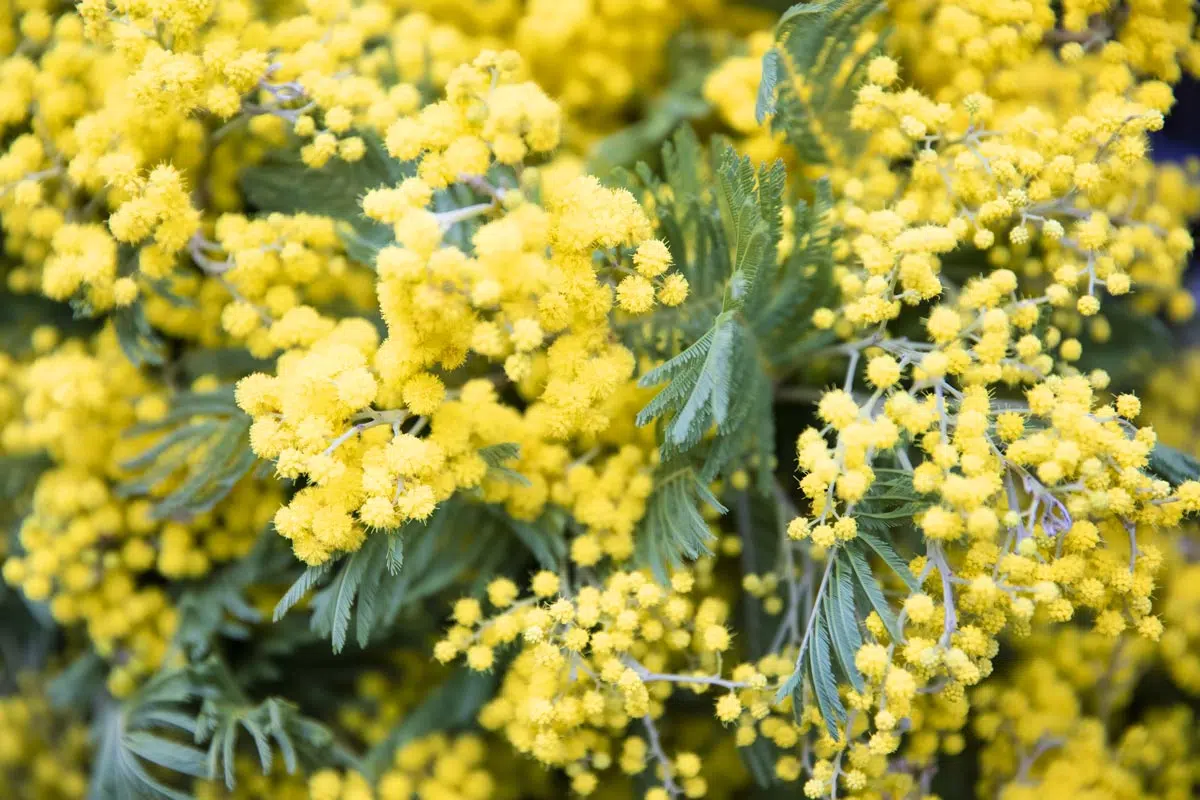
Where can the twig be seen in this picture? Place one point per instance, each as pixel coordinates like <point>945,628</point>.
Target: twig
<point>815,612</point>
<point>665,677</point>
<point>660,756</point>
<point>851,368</point>
<point>482,185</point>
<point>196,247</point>
<point>1131,528</point>
<point>1028,760</point>
<point>373,419</point>
<point>837,761</point>
<point>447,219</point>
<point>791,621</point>
<point>950,617</point>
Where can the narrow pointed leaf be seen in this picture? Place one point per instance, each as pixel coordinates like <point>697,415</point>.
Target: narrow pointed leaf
<point>166,753</point>
<point>885,551</point>
<point>843,622</point>
<point>820,672</point>
<point>872,590</point>
<point>303,585</point>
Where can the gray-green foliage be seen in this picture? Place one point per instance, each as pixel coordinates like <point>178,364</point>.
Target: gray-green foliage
<point>743,330</point>
<point>367,591</point>
<point>832,638</point>
<point>186,724</point>
<point>497,455</point>
<point>1172,465</point>
<point>285,184</point>
<point>726,242</point>
<point>140,342</point>
<point>673,529</point>
<point>274,724</point>
<point>209,423</point>
<point>815,43</point>
<point>749,314</point>
<point>218,608</point>
<point>849,592</point>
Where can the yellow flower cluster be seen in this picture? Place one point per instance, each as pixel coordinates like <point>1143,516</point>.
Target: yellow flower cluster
<point>109,107</point>
<point>487,115</point>
<point>119,134</point>
<point>597,662</point>
<point>439,767</point>
<point>337,408</point>
<point>1036,160</point>
<point>1025,504</point>
<point>1171,405</point>
<point>971,46</point>
<point>90,552</point>
<point>572,49</point>
<point>1179,641</point>
<point>603,479</point>
<point>274,265</point>
<point>43,752</point>
<point>433,766</point>
<point>1044,728</point>
<point>1074,189</point>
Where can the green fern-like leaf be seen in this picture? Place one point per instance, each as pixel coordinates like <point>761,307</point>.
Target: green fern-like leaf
<point>751,203</point>
<point>823,679</point>
<point>208,422</point>
<point>394,570</point>
<point>79,682</point>
<point>284,183</point>
<point>218,608</point>
<point>673,530</point>
<point>805,283</point>
<point>723,223</point>
<point>306,582</point>
<point>129,750</point>
<point>884,515</point>
<point>496,455</point>
<point>842,616</point>
<point>884,549</point>
<point>272,725</point>
<point>363,570</point>
<point>815,42</point>
<point>869,587</point>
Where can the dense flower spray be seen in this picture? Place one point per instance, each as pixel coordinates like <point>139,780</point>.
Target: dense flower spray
<point>645,400</point>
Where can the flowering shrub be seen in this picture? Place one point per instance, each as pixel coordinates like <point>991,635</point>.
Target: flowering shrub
<point>628,400</point>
